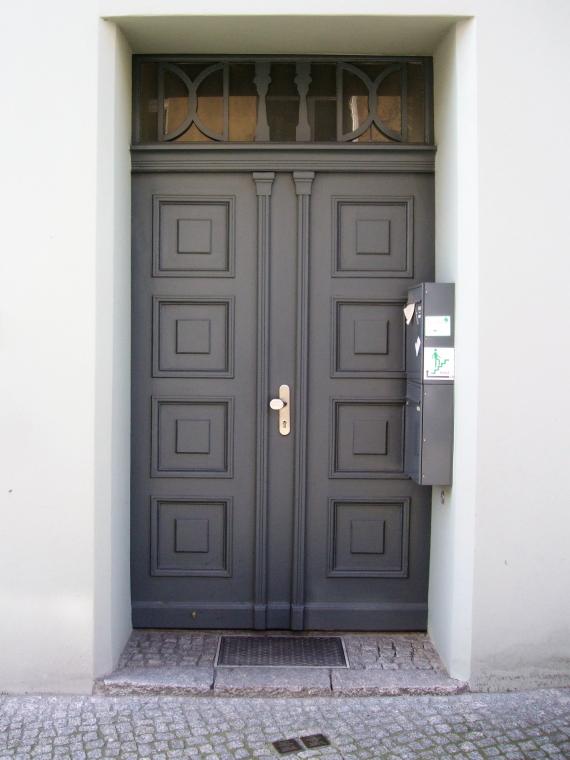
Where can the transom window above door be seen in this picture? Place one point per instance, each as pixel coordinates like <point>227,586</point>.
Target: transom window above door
<point>285,100</point>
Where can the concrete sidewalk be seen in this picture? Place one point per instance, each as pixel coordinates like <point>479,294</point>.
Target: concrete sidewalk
<point>517,725</point>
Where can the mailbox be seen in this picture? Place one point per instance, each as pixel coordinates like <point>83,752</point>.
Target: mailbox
<point>430,369</point>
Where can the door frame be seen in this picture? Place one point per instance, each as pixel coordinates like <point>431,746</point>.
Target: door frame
<point>456,258</point>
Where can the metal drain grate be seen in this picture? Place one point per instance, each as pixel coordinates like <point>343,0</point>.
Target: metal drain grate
<point>315,740</point>
<point>282,651</point>
<point>286,746</point>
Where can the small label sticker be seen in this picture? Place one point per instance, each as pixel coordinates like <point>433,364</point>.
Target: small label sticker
<point>438,326</point>
<point>409,312</point>
<point>417,345</point>
<point>439,363</point>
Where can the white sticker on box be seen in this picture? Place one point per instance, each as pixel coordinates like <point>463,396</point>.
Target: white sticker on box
<point>409,312</point>
<point>439,363</point>
<point>417,345</point>
<point>438,326</point>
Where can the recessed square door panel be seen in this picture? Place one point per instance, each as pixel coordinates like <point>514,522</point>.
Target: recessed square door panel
<point>193,236</point>
<point>193,337</point>
<point>367,439</point>
<point>192,438</point>
<point>368,338</point>
<point>191,537</point>
<point>369,538</point>
<point>372,237</point>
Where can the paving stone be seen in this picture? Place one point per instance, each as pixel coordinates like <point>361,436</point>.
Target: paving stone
<point>374,682</point>
<point>474,726</point>
<point>153,648</point>
<point>162,680</point>
<point>272,681</point>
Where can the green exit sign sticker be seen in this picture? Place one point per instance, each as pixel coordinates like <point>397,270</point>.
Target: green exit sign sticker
<point>439,363</point>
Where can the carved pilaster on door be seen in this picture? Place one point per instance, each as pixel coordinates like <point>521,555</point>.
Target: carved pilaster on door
<point>263,184</point>
<point>303,80</point>
<point>263,187</point>
<point>303,188</point>
<point>262,81</point>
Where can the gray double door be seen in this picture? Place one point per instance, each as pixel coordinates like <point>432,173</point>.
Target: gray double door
<point>242,283</point>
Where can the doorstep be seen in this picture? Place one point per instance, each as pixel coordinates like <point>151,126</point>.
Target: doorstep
<point>182,663</point>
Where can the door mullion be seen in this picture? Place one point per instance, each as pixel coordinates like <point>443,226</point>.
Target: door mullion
<point>263,186</point>
<point>303,187</point>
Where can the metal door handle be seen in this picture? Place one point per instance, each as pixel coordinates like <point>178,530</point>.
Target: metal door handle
<point>282,405</point>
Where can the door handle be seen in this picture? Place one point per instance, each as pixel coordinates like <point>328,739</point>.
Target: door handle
<point>283,406</point>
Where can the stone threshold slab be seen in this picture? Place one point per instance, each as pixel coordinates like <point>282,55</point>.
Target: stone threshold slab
<point>389,683</point>
<point>274,682</point>
<point>172,681</point>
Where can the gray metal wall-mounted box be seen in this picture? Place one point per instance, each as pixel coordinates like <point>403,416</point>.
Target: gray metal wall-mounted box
<point>430,364</point>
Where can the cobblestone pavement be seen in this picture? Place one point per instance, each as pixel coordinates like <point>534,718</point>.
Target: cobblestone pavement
<point>517,725</point>
<point>400,651</point>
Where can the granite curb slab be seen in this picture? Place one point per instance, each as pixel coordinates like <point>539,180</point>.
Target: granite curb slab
<point>390,683</point>
<point>275,682</point>
<point>267,681</point>
<point>171,681</point>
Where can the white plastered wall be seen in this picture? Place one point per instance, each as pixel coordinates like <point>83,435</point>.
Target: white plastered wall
<point>500,566</point>
<point>499,574</point>
<point>48,349</point>
<point>521,572</point>
<point>453,509</point>
<point>112,618</point>
<point>64,340</point>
